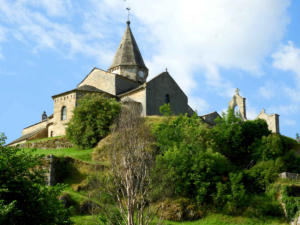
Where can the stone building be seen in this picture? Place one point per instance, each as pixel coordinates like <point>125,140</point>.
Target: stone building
<point>125,80</point>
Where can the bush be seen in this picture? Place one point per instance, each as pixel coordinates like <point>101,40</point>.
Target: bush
<point>262,206</point>
<point>263,174</point>
<point>231,197</point>
<point>274,146</point>
<point>234,138</point>
<point>191,174</point>
<point>292,204</point>
<point>24,198</point>
<point>181,209</point>
<point>91,120</point>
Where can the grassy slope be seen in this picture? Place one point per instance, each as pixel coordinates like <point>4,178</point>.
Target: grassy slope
<point>211,219</point>
<point>83,155</point>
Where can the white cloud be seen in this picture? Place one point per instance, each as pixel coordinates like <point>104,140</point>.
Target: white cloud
<point>193,39</point>
<point>213,34</point>
<point>31,26</point>
<point>199,105</point>
<point>287,58</point>
<point>287,109</point>
<point>268,90</point>
<point>52,7</point>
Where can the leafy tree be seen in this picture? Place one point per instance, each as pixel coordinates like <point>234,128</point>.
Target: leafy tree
<point>263,174</point>
<point>235,138</point>
<point>186,166</point>
<point>91,120</point>
<point>24,198</point>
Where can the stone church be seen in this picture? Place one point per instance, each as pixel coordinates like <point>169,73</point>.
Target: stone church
<point>125,80</point>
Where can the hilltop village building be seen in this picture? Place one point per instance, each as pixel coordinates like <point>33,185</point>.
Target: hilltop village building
<point>125,80</point>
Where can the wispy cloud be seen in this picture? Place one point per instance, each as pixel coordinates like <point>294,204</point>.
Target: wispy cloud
<point>194,40</point>
<point>209,35</point>
<point>268,90</point>
<point>287,58</point>
<point>25,22</point>
<point>199,104</point>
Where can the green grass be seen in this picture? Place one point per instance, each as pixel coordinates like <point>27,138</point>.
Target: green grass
<point>211,219</point>
<point>84,220</point>
<point>45,139</point>
<point>219,219</point>
<point>83,155</point>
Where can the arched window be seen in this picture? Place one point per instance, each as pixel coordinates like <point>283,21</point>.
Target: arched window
<point>64,113</point>
<point>167,98</point>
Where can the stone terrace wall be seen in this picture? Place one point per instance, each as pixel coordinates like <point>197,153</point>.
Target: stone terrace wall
<point>54,143</point>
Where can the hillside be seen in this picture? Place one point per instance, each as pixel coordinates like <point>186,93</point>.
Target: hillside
<point>83,171</point>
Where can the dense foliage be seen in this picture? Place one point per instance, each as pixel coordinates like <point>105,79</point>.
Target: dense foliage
<point>91,120</point>
<point>24,197</point>
<point>229,166</point>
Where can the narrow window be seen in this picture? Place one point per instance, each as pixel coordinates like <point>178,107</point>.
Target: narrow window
<point>64,113</point>
<point>51,134</point>
<point>167,98</point>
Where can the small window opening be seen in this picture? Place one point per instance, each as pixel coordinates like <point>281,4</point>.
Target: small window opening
<point>167,98</point>
<point>64,113</point>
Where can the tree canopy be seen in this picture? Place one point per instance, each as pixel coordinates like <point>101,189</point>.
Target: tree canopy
<point>24,197</point>
<point>92,119</point>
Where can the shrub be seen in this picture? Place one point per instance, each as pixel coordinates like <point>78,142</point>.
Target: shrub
<point>231,197</point>
<point>263,174</point>
<point>235,138</point>
<point>181,209</point>
<point>91,120</point>
<point>24,198</point>
<point>190,174</point>
<point>292,204</point>
<point>273,146</point>
<point>262,206</point>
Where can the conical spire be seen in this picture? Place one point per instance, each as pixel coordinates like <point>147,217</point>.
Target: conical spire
<point>128,57</point>
<point>128,52</point>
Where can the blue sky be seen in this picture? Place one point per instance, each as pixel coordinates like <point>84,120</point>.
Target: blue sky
<point>210,47</point>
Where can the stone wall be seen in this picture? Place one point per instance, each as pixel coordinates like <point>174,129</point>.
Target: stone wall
<point>157,90</point>
<point>290,176</point>
<point>102,80</point>
<point>34,127</point>
<point>272,121</point>
<point>59,126</point>
<point>240,102</point>
<point>53,143</point>
<point>123,84</point>
<point>138,96</point>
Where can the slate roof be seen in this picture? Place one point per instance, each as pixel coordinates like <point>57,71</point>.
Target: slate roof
<point>128,52</point>
<point>210,118</point>
<point>26,136</point>
<point>86,88</point>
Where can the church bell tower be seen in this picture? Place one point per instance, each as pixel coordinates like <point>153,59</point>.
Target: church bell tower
<point>128,60</point>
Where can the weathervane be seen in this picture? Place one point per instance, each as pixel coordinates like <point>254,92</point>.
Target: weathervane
<point>128,9</point>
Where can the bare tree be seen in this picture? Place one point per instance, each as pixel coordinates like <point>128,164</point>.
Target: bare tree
<point>131,159</point>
